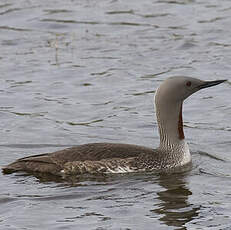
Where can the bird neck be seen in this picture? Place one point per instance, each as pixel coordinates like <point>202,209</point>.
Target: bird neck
<point>170,124</point>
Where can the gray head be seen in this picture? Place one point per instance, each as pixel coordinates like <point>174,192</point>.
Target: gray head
<point>180,88</point>
<point>169,99</point>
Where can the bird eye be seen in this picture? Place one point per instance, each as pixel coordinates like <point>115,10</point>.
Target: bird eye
<point>188,83</point>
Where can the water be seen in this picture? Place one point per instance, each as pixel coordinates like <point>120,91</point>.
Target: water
<point>74,72</point>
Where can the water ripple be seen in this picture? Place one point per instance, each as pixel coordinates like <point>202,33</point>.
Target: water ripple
<point>75,72</point>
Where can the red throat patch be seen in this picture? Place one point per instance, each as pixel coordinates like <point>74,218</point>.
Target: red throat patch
<point>180,125</point>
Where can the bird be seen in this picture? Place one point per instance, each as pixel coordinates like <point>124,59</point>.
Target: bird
<point>106,158</point>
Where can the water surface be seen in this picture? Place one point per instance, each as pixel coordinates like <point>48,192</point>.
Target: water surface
<point>75,72</point>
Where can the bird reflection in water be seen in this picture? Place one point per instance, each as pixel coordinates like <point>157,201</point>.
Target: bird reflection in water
<point>174,207</point>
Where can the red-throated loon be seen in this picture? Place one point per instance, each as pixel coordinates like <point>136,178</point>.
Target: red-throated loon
<point>173,151</point>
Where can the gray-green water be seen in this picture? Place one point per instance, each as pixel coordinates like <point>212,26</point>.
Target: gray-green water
<point>74,72</point>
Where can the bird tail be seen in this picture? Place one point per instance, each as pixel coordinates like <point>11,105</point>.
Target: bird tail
<point>13,167</point>
<point>39,163</point>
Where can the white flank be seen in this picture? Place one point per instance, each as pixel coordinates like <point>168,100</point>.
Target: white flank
<point>120,169</point>
<point>187,156</point>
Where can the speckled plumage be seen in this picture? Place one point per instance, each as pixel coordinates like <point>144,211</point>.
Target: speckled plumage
<point>87,158</point>
<point>97,158</point>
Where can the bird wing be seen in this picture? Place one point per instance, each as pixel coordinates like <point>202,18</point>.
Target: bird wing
<point>54,162</point>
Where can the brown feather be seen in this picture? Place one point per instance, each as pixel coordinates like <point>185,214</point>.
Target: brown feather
<point>53,162</point>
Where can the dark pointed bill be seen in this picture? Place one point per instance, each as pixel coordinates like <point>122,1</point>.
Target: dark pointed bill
<point>207,84</point>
